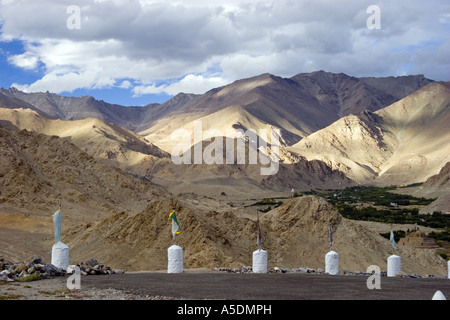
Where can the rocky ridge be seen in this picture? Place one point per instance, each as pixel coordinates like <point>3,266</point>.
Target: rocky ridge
<point>56,171</point>
<point>295,233</point>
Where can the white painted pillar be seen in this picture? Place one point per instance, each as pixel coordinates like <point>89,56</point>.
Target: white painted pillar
<point>175,257</point>
<point>439,296</point>
<point>259,261</point>
<point>332,263</point>
<point>394,266</point>
<point>60,255</point>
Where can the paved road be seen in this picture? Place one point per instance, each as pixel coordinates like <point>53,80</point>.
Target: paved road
<point>288,286</point>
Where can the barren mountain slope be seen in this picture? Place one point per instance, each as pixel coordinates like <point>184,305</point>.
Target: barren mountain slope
<point>441,204</point>
<point>102,140</point>
<point>352,145</point>
<point>123,148</point>
<point>294,234</point>
<point>297,106</point>
<point>437,186</point>
<point>60,107</point>
<point>244,102</point>
<point>242,178</point>
<point>246,181</point>
<point>404,143</point>
<point>353,95</point>
<point>224,122</point>
<point>7,101</point>
<point>440,180</point>
<point>39,172</point>
<point>419,126</point>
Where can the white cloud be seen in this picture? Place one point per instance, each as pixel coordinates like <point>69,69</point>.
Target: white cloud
<point>125,84</point>
<point>67,81</point>
<point>149,42</point>
<point>26,60</point>
<point>189,84</point>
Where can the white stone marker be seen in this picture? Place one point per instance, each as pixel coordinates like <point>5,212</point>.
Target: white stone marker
<point>332,263</point>
<point>175,257</point>
<point>60,255</point>
<point>259,261</point>
<point>394,266</point>
<point>439,296</point>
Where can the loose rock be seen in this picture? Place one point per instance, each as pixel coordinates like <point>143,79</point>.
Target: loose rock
<point>246,269</point>
<point>39,269</point>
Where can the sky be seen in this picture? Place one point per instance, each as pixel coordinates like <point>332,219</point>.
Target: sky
<point>136,52</point>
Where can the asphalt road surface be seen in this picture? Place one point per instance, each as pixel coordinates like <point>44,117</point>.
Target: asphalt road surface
<point>277,286</point>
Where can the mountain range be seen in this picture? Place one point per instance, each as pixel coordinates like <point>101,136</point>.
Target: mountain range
<point>140,139</point>
<point>297,106</point>
<point>111,165</point>
<point>407,140</point>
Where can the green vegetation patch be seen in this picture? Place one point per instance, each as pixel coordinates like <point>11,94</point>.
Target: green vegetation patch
<point>398,234</point>
<point>380,204</point>
<point>267,202</point>
<point>401,216</point>
<point>10,296</point>
<point>377,196</point>
<point>440,236</point>
<point>32,277</point>
<point>57,292</point>
<point>412,185</point>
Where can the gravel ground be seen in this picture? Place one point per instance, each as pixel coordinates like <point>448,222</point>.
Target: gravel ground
<point>289,286</point>
<point>209,285</point>
<point>56,289</point>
